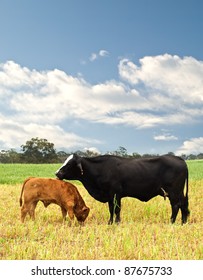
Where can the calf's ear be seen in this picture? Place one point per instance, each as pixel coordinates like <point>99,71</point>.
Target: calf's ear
<point>85,209</point>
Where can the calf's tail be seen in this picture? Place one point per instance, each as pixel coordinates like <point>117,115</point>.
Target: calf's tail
<point>20,200</point>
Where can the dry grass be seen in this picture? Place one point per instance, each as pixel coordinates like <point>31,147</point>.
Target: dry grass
<point>144,233</point>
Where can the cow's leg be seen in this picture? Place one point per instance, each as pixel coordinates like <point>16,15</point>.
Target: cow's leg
<point>64,213</point>
<point>111,210</point>
<point>175,209</point>
<point>184,209</point>
<point>175,205</point>
<point>114,208</point>
<point>117,208</point>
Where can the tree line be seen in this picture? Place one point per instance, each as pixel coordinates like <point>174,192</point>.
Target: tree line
<point>38,150</point>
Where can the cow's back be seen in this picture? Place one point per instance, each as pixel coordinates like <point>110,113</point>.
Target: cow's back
<point>144,177</point>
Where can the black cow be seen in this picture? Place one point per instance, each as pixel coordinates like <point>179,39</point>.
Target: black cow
<point>109,178</point>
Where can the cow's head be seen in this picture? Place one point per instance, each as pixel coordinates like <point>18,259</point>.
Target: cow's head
<point>71,169</point>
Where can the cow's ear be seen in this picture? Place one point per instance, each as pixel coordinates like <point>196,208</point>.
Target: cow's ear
<point>79,165</point>
<point>75,156</point>
<point>78,162</point>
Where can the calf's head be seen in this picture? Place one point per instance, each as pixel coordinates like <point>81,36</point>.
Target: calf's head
<point>71,168</point>
<point>81,214</point>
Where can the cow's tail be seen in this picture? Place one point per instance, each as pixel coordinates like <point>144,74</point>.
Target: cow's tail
<point>20,200</point>
<point>186,183</point>
<point>186,193</point>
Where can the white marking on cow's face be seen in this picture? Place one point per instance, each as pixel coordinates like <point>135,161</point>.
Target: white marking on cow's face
<point>65,162</point>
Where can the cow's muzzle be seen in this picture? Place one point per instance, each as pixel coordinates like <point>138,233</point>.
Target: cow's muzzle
<point>59,175</point>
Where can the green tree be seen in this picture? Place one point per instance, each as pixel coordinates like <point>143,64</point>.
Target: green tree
<point>121,151</point>
<point>39,150</point>
<point>62,156</point>
<point>136,155</point>
<point>10,156</point>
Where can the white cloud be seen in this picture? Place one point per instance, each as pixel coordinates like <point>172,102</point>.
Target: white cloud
<point>14,134</point>
<point>163,90</point>
<point>93,150</point>
<point>169,75</point>
<point>192,146</point>
<point>93,56</point>
<point>34,103</point>
<point>169,86</point>
<point>165,137</point>
<point>101,53</point>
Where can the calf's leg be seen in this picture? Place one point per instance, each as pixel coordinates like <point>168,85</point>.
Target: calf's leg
<point>70,213</point>
<point>64,213</point>
<point>32,210</point>
<point>24,211</point>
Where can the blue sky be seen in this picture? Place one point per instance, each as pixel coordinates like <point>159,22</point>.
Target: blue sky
<point>102,74</point>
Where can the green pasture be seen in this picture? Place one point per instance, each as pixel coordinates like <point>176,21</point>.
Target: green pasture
<point>144,233</point>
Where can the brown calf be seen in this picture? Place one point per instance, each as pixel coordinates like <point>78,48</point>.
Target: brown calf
<point>50,191</point>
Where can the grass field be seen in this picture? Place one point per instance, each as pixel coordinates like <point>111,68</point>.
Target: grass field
<point>145,231</point>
